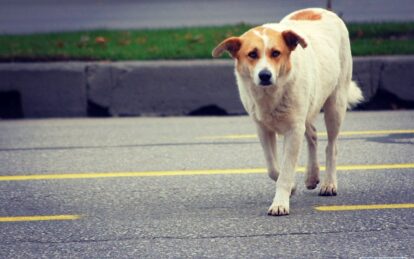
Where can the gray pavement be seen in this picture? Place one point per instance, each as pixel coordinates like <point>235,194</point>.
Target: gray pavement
<point>213,215</point>
<point>23,16</point>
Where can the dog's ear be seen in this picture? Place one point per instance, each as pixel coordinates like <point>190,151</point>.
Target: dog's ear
<point>231,45</point>
<point>292,39</point>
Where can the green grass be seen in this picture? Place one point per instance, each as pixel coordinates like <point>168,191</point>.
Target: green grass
<point>183,43</point>
<point>370,47</point>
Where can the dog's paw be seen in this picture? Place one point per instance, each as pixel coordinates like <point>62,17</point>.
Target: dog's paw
<point>293,191</point>
<point>278,210</point>
<point>312,178</point>
<point>273,174</point>
<point>328,189</point>
<point>311,183</point>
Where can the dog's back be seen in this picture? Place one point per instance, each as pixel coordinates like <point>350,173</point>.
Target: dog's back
<point>329,47</point>
<point>324,30</point>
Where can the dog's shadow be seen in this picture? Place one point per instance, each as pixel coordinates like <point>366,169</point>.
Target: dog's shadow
<point>393,139</point>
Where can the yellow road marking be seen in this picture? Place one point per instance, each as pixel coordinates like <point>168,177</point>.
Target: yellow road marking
<point>186,172</point>
<point>39,218</point>
<point>371,132</point>
<point>321,134</point>
<point>366,207</point>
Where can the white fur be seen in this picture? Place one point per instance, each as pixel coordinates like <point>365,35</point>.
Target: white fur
<point>320,77</point>
<point>354,95</point>
<point>263,62</point>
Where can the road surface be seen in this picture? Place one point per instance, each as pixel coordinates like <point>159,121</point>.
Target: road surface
<point>196,187</point>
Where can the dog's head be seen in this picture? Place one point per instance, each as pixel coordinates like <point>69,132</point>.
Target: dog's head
<point>262,54</point>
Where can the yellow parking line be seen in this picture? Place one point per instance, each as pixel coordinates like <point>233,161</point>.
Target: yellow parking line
<point>39,218</point>
<point>366,207</point>
<point>321,134</point>
<point>186,172</point>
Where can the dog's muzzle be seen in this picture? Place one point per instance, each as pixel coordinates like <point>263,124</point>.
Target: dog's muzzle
<point>265,77</point>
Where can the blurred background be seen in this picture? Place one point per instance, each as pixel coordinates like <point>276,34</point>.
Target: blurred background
<point>36,35</point>
<point>19,16</point>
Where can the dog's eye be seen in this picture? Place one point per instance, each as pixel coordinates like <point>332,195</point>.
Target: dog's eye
<point>275,53</point>
<point>253,54</point>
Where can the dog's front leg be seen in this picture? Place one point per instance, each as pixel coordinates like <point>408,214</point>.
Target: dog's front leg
<point>268,141</point>
<point>286,181</point>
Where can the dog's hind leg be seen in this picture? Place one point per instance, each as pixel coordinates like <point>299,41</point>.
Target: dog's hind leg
<point>312,170</point>
<point>268,141</point>
<point>334,109</point>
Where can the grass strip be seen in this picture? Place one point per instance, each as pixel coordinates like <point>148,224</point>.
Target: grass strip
<point>181,43</point>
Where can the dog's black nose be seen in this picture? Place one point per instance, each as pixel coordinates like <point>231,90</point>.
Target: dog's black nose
<point>265,76</point>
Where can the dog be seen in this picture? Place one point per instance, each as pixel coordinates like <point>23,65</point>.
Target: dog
<point>286,73</point>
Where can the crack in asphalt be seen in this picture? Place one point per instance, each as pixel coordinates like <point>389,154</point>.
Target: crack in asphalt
<point>266,235</point>
<point>126,146</point>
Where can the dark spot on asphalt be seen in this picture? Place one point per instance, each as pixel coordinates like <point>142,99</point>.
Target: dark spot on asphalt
<point>10,105</point>
<point>209,110</point>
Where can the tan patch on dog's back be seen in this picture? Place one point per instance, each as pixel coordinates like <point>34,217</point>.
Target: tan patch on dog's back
<point>307,15</point>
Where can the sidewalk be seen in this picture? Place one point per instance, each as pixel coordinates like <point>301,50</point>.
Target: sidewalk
<point>159,88</point>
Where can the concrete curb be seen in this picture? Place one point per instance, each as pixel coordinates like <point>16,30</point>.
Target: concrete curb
<point>158,88</point>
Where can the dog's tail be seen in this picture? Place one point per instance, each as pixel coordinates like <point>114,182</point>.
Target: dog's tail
<point>354,95</point>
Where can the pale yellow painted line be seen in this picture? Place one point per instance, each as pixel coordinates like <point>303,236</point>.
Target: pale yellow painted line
<point>321,134</point>
<point>372,167</point>
<point>39,218</point>
<point>372,132</point>
<point>130,174</point>
<point>186,172</point>
<point>365,207</point>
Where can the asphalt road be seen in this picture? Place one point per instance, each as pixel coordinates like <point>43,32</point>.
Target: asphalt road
<point>161,187</point>
<point>23,16</point>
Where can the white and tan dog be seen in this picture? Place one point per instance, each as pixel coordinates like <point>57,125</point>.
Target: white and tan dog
<point>283,87</point>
